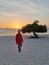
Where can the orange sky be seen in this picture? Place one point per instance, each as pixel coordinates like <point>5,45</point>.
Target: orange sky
<point>19,24</point>
<point>13,24</point>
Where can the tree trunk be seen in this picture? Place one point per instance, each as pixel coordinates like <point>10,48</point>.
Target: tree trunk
<point>35,35</point>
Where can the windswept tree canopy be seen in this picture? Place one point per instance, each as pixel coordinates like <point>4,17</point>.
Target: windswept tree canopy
<point>34,27</point>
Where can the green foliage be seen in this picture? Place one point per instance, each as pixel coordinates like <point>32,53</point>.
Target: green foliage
<point>36,21</point>
<point>34,28</point>
<point>26,29</point>
<point>42,28</point>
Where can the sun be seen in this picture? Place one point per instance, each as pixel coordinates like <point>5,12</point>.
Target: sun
<point>17,26</point>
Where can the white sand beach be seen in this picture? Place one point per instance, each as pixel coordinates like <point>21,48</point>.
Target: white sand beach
<point>34,51</point>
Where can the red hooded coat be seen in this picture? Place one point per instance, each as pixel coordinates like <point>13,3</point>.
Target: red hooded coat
<point>19,39</point>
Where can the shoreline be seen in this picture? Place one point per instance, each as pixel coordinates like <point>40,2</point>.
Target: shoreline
<point>41,36</point>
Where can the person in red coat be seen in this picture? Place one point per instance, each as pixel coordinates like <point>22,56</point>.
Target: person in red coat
<point>19,40</point>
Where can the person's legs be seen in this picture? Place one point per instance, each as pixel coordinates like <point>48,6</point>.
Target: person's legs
<point>19,47</point>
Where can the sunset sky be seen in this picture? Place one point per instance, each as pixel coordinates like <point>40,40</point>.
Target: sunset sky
<point>17,13</point>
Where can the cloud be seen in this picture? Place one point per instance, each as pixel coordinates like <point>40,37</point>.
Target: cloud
<point>24,9</point>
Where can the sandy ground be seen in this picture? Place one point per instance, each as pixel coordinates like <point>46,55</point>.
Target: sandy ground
<point>34,51</point>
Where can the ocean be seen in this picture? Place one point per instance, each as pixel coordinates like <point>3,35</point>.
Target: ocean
<point>8,32</point>
<point>12,32</point>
